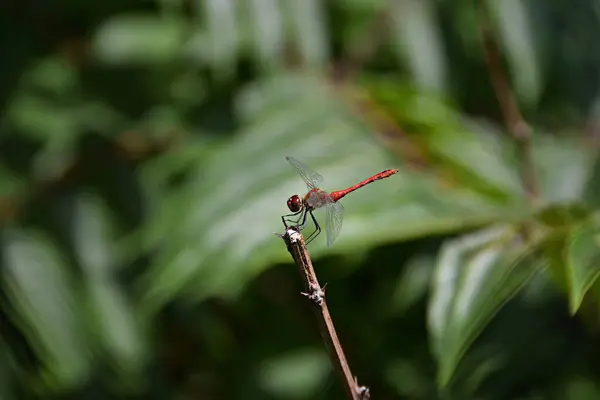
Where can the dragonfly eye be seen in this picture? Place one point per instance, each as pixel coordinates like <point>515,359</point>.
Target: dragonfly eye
<point>294,203</point>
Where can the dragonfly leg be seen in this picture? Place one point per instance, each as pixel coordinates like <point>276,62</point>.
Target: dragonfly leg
<point>304,219</point>
<point>317,230</point>
<point>285,220</point>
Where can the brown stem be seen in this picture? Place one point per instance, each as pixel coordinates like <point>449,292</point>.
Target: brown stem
<point>314,291</point>
<point>513,119</point>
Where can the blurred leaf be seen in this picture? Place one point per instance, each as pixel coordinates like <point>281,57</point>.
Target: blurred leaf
<point>406,379</point>
<point>53,74</point>
<point>297,375</point>
<point>215,234</point>
<point>416,38</point>
<point>474,277</point>
<point>113,319</point>
<point>268,29</point>
<point>473,154</point>
<point>564,167</point>
<point>222,35</point>
<point>42,119</point>
<point>271,30</point>
<point>563,215</point>
<point>484,160</point>
<point>138,39</point>
<point>554,250</point>
<point>516,36</point>
<point>591,194</point>
<point>48,305</point>
<point>583,261</point>
<point>412,284</point>
<point>560,218</point>
<point>10,183</point>
<point>309,30</point>
<point>582,388</point>
<point>6,375</point>
<point>54,158</point>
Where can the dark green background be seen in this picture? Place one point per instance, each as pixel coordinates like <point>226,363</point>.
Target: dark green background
<point>142,174</point>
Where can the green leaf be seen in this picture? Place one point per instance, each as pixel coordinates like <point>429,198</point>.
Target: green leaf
<point>474,276</point>
<point>138,39</point>
<point>216,233</point>
<point>583,261</point>
<point>46,300</point>
<point>113,319</point>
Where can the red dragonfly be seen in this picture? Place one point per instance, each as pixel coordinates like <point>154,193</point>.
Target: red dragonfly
<point>317,198</point>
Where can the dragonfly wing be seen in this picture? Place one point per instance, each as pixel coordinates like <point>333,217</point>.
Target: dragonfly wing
<point>312,179</point>
<point>335,214</point>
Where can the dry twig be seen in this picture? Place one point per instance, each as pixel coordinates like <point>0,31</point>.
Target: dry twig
<point>316,293</point>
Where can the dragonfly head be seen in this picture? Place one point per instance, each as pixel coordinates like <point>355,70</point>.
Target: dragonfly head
<point>294,203</point>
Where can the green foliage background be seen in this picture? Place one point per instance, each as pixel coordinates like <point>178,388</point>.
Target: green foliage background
<point>142,174</point>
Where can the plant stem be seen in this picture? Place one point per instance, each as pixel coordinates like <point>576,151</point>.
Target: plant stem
<point>297,248</point>
<point>513,119</point>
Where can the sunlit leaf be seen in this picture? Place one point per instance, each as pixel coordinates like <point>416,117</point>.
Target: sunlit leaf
<point>49,307</point>
<point>475,275</point>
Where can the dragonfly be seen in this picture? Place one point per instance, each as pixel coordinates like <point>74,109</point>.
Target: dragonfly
<point>302,207</point>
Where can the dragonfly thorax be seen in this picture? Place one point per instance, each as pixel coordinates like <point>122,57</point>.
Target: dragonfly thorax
<point>316,198</point>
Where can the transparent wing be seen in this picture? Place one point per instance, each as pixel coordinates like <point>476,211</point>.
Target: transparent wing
<point>335,214</point>
<point>312,179</point>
